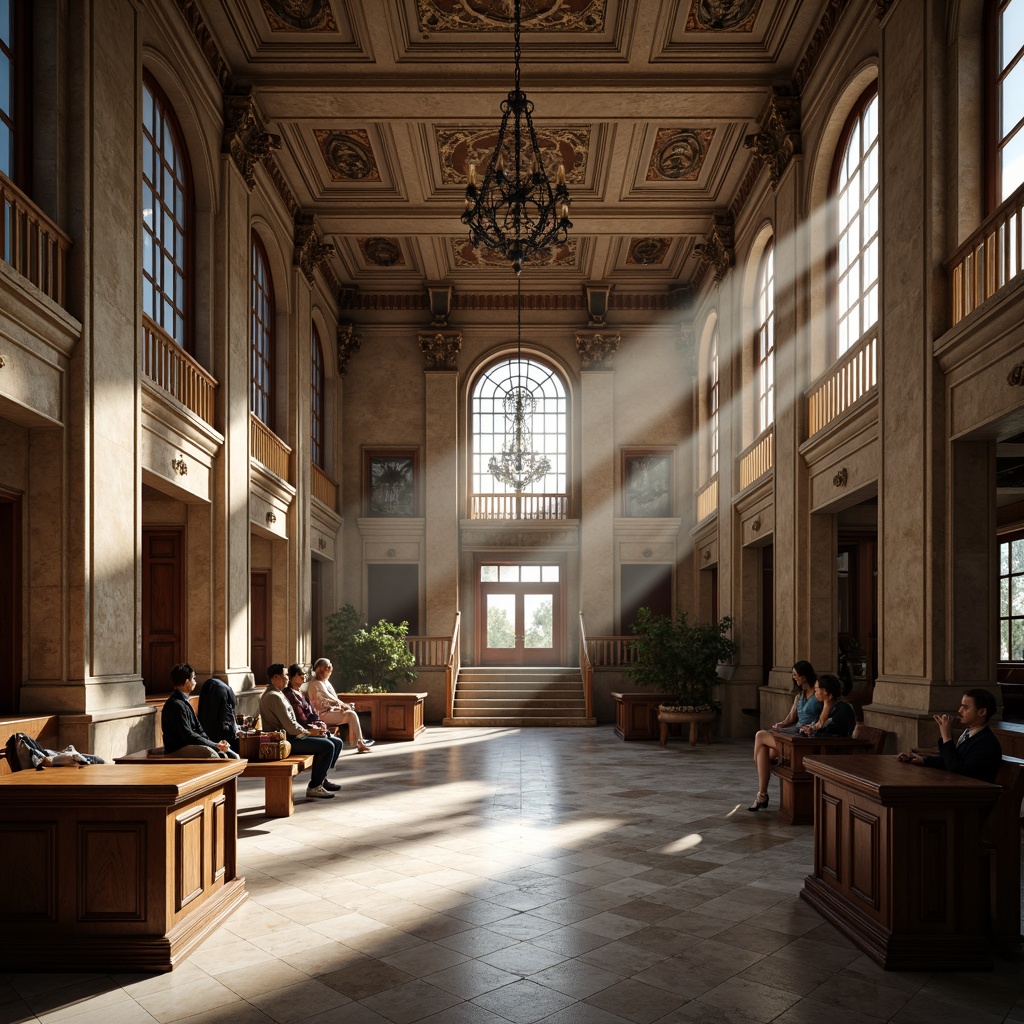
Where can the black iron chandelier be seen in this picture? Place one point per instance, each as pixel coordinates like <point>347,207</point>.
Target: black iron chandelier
<point>515,211</point>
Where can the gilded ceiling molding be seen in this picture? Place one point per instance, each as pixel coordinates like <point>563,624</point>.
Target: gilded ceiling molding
<point>597,350</point>
<point>311,251</point>
<point>206,42</point>
<point>716,251</point>
<point>778,141</point>
<point>441,349</point>
<point>542,302</point>
<point>822,34</point>
<point>348,345</point>
<point>245,135</point>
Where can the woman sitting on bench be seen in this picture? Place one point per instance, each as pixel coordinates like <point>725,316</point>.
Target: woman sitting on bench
<point>331,708</point>
<point>838,717</point>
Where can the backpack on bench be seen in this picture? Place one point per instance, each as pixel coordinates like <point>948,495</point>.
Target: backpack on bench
<point>23,752</point>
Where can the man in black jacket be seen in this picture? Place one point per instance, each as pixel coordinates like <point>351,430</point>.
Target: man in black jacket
<point>217,712</point>
<point>183,735</point>
<point>976,752</point>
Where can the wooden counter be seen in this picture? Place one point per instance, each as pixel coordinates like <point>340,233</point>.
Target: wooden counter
<point>897,860</point>
<point>796,784</point>
<point>116,867</point>
<point>393,716</point>
<point>636,715</point>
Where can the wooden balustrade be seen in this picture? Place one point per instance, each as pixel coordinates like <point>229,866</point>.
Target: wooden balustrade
<point>267,448</point>
<point>586,671</point>
<point>173,370</point>
<point>519,506</point>
<point>430,651</point>
<point>324,489</point>
<point>758,459</point>
<point>611,651</point>
<point>31,243</point>
<point>989,259</point>
<point>707,500</point>
<point>451,673</point>
<point>844,384</point>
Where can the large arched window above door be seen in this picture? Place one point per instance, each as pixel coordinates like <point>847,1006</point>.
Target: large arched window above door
<point>549,427</point>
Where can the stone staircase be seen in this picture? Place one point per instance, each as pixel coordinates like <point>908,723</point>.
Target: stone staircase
<point>511,696</point>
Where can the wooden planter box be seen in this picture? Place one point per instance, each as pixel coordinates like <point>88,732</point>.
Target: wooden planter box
<point>393,716</point>
<point>636,715</point>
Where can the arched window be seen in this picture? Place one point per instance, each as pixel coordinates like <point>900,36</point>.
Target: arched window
<point>856,202</point>
<point>713,404</point>
<point>261,335</point>
<point>316,400</point>
<point>764,310</point>
<point>548,425</point>
<point>15,114</point>
<point>166,217</point>
<point>1006,63</point>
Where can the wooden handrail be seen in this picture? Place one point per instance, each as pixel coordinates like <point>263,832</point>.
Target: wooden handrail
<point>586,670</point>
<point>31,243</point>
<point>843,384</point>
<point>707,499</point>
<point>451,675</point>
<point>989,259</point>
<point>323,488</point>
<point>611,651</point>
<point>758,458</point>
<point>519,506</point>
<point>267,448</point>
<point>173,370</point>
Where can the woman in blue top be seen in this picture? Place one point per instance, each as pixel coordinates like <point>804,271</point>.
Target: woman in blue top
<point>806,710</point>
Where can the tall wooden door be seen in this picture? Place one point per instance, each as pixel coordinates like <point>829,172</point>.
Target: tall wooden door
<point>519,614</point>
<point>10,603</point>
<point>259,623</point>
<point>163,615</point>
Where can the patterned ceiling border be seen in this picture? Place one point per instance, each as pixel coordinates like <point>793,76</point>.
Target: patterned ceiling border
<point>376,302</point>
<point>493,16</point>
<point>822,35</point>
<point>464,255</point>
<point>206,42</point>
<point>459,147</point>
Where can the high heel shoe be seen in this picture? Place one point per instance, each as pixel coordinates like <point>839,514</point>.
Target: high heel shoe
<point>760,803</point>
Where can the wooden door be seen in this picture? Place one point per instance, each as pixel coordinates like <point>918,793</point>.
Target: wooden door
<point>10,603</point>
<point>259,624</point>
<point>519,614</point>
<point>163,615</point>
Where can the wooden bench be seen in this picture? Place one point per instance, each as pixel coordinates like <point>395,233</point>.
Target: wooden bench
<point>277,775</point>
<point>1010,736</point>
<point>1000,851</point>
<point>44,729</point>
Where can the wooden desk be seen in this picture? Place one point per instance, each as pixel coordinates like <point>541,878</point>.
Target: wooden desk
<point>1010,736</point>
<point>897,861</point>
<point>393,716</point>
<point>796,784</point>
<point>636,715</point>
<point>116,867</point>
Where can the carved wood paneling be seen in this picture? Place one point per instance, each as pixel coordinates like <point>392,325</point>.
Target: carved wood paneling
<point>28,890</point>
<point>111,872</point>
<point>865,856</point>
<point>218,827</point>
<point>189,844</point>
<point>832,829</point>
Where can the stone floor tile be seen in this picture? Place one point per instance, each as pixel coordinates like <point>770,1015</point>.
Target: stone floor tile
<point>366,978</point>
<point>576,978</point>
<point>636,1001</point>
<point>523,1002</point>
<point>410,1002</point>
<point>471,978</point>
<point>761,1002</point>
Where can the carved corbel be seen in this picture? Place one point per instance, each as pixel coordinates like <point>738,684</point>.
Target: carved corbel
<point>348,344</point>
<point>440,349</point>
<point>1015,378</point>
<point>597,350</point>
<point>882,8</point>
<point>717,248</point>
<point>245,134</point>
<point>779,138</point>
<point>311,251</point>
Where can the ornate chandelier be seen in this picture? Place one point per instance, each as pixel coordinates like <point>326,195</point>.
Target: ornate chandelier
<point>515,211</point>
<point>519,465</point>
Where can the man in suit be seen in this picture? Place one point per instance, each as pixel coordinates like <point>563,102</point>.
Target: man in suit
<point>976,751</point>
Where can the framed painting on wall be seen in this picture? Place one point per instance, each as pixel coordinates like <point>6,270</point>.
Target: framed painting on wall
<point>390,482</point>
<point>647,483</point>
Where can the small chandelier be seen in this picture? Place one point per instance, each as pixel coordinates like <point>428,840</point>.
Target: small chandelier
<point>515,211</point>
<point>519,465</point>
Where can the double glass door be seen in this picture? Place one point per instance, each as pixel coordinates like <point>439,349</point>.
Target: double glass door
<point>519,614</point>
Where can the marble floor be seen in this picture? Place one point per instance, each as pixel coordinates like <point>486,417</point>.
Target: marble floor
<point>485,876</point>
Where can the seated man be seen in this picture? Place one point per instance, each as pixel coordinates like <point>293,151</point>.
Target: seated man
<point>976,752</point>
<point>183,735</point>
<point>277,714</point>
<point>217,712</point>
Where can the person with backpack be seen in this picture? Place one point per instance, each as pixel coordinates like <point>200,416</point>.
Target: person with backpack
<point>217,711</point>
<point>183,734</point>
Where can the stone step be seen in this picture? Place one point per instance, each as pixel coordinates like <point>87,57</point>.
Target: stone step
<point>526,707</point>
<point>518,721</point>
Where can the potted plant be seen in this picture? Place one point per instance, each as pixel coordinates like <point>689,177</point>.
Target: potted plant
<point>368,659</point>
<point>681,659</point>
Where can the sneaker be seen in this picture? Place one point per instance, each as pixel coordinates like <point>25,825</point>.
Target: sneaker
<point>318,793</point>
<point>332,786</point>
<point>368,743</point>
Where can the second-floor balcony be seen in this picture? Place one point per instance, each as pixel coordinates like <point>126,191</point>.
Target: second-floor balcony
<point>519,506</point>
<point>168,367</point>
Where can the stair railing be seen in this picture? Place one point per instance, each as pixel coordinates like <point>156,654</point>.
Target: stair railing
<point>451,672</point>
<point>586,671</point>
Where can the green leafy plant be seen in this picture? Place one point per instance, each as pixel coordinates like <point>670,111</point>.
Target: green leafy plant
<point>368,659</point>
<point>680,658</point>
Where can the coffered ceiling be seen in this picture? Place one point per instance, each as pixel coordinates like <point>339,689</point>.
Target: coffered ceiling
<point>382,104</point>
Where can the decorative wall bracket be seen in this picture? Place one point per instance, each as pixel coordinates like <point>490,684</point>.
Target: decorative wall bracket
<point>717,248</point>
<point>839,480</point>
<point>348,345</point>
<point>441,349</point>
<point>756,525</point>
<point>779,138</point>
<point>321,544</point>
<point>440,298</point>
<point>598,300</point>
<point>245,134</point>
<point>3,362</point>
<point>597,350</point>
<point>180,466</point>
<point>271,518</point>
<point>311,251</point>
<point>1015,378</point>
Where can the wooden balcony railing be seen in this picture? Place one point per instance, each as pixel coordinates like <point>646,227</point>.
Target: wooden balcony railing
<point>758,459</point>
<point>173,370</point>
<point>519,506</point>
<point>31,243</point>
<point>611,651</point>
<point>989,260</point>
<point>707,499</point>
<point>844,384</point>
<point>430,651</point>
<point>267,448</point>
<point>324,489</point>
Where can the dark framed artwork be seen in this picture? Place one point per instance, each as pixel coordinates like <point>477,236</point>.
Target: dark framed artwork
<point>390,482</point>
<point>647,483</point>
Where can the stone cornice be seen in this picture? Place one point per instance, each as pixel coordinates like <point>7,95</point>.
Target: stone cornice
<point>206,42</point>
<point>716,251</point>
<point>474,302</point>
<point>822,35</point>
<point>348,345</point>
<point>311,251</point>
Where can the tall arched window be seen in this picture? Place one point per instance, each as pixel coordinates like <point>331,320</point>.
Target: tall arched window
<point>549,425</point>
<point>765,312</point>
<point>855,257</point>
<point>166,217</point>
<point>316,400</point>
<point>261,335</point>
<point>713,404</point>
<point>1006,62</point>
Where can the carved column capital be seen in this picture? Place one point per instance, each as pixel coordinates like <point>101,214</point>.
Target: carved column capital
<point>348,344</point>
<point>245,134</point>
<point>440,349</point>
<point>597,350</point>
<point>779,138</point>
<point>311,251</point>
<point>717,248</point>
